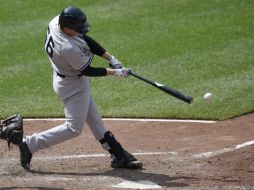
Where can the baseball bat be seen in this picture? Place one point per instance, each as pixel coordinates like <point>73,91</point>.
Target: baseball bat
<point>164,88</point>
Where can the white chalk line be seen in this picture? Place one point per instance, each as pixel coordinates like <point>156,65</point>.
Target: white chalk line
<point>224,150</point>
<point>130,119</point>
<point>56,177</point>
<point>77,156</point>
<point>98,155</point>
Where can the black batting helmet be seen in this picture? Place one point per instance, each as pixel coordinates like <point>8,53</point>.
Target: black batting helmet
<point>74,18</point>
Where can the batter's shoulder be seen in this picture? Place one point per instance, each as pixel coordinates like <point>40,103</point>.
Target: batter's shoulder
<point>70,50</point>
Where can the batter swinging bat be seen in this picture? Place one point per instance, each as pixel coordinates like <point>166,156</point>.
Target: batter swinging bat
<point>162,87</point>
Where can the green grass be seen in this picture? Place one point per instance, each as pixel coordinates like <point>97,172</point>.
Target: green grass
<point>195,46</point>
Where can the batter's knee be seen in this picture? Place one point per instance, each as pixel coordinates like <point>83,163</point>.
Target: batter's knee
<point>75,126</point>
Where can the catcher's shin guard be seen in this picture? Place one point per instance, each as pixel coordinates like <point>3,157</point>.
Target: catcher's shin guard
<point>120,157</point>
<point>25,156</point>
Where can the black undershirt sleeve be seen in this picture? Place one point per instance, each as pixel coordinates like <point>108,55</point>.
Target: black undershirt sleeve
<point>94,71</point>
<point>94,46</point>
<point>96,49</point>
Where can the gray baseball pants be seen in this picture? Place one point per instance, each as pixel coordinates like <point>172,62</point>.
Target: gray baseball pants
<point>79,108</point>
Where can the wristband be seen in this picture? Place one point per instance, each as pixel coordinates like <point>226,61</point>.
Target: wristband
<point>118,72</point>
<point>113,60</point>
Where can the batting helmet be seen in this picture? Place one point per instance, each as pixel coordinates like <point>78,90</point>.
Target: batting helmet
<point>74,18</point>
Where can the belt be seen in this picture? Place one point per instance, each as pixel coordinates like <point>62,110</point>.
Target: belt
<point>63,76</point>
<point>60,75</point>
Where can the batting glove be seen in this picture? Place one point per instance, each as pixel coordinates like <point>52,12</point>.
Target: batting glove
<point>115,63</point>
<point>124,72</point>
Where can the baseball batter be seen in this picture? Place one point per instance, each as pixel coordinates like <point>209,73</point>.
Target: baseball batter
<point>71,51</point>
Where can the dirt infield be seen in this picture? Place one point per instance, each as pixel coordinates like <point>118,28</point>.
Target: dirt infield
<point>176,155</point>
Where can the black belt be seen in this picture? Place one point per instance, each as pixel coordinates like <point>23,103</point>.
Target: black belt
<point>63,76</point>
<point>60,75</point>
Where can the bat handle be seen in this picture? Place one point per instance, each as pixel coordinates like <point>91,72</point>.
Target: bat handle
<point>134,74</point>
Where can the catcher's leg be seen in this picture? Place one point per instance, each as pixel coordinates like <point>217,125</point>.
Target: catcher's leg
<point>25,156</point>
<point>11,129</point>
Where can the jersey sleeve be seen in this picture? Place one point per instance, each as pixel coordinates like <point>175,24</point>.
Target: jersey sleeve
<point>78,58</point>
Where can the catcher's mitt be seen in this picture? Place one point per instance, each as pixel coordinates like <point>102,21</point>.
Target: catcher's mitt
<point>11,129</point>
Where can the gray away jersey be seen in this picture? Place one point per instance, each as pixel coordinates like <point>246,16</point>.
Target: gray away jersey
<point>68,55</point>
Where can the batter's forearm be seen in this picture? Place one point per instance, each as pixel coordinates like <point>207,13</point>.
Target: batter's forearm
<point>94,71</point>
<point>97,71</point>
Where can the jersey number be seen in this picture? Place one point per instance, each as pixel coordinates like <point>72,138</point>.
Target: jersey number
<point>49,47</point>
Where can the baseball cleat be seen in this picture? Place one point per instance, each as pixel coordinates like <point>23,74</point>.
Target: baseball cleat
<point>25,156</point>
<point>127,161</point>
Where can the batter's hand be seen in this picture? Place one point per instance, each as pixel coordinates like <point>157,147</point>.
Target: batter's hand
<point>115,63</point>
<point>124,72</point>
